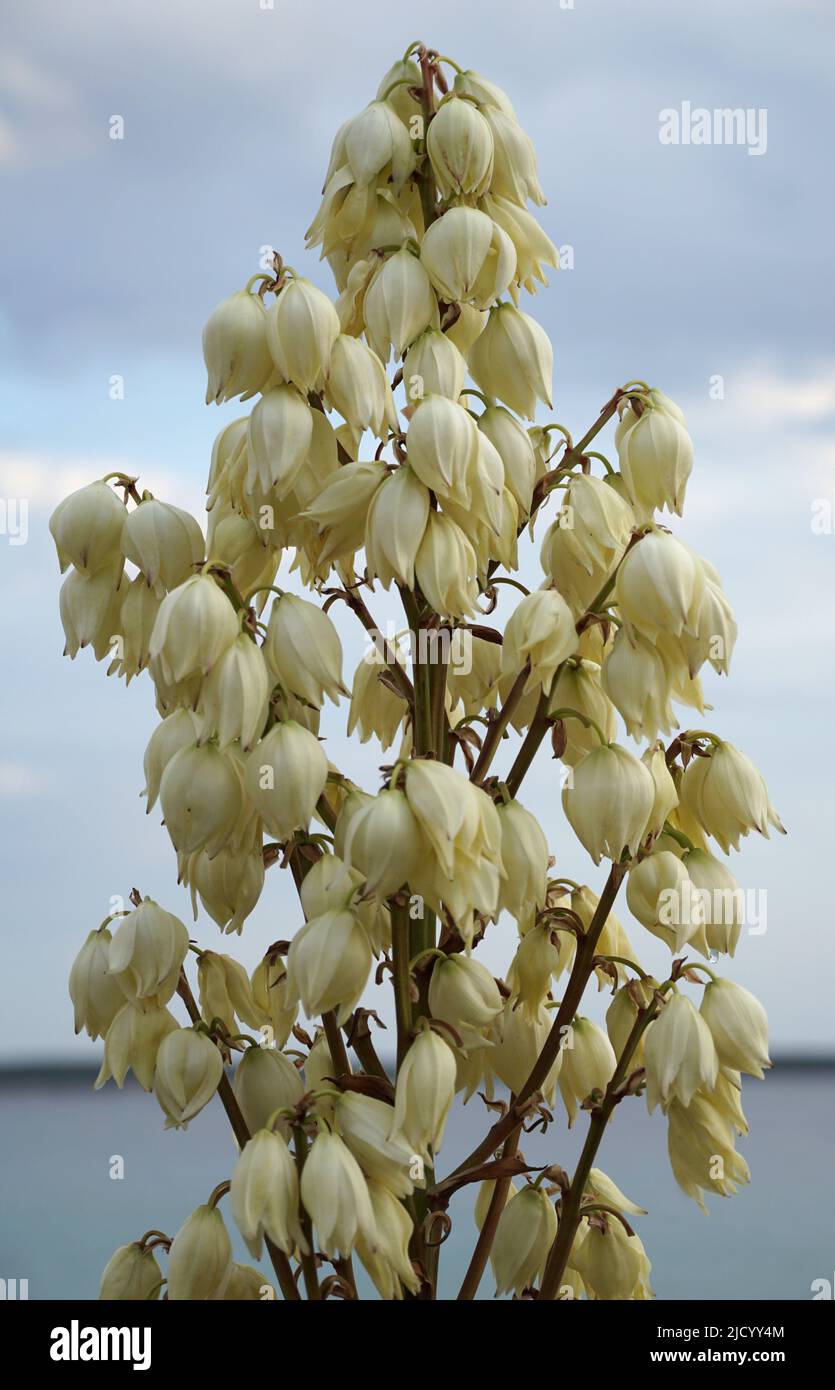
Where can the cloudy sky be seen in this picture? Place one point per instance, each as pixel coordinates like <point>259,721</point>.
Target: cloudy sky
<point>704,269</point>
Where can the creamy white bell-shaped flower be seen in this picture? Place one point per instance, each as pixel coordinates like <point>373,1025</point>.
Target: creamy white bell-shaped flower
<point>225,991</point>
<point>513,360</point>
<point>164,542</point>
<point>132,1042</point>
<point>328,963</point>
<point>514,159</point>
<point>660,896</point>
<point>520,1035</point>
<point>399,304</point>
<point>524,1236</point>
<point>660,587</point>
<point>341,508</point>
<point>460,148</point>
<point>424,1093</point>
<point>396,522</point>
<point>540,631</point>
<point>389,1266</point>
<point>95,995</point>
<point>235,348</point>
<point>285,776</point>
<point>201,798</point>
<point>513,443</point>
<point>462,991</point>
<point>722,899</point>
<point>442,444</point>
<point>303,650</point>
<point>87,528</point>
<point>597,523</point>
<point>433,367</point>
<point>738,1025</point>
<point>279,436</point>
<point>602,1189</point>
<point>384,841</point>
<point>524,860</point>
<point>445,568</point>
<point>376,141</point>
<point>234,696</point>
<point>137,614</point>
<point>357,386</point>
<point>608,802</point>
<point>376,710</point>
<point>468,257</point>
<point>577,686</point>
<point>200,1258</point>
<point>302,326</point>
<point>149,945</point>
<point>365,1125</point>
<point>679,1054</point>
<point>266,1081</point>
<point>700,1142</point>
<point>188,1072</point>
<point>610,1263</point>
<point>178,730</point>
<point>637,680</point>
<point>194,626</point>
<point>534,249</point>
<point>588,1061</point>
<point>666,794</point>
<point>90,606</point>
<point>656,459</point>
<point>335,1196</point>
<point>727,795</point>
<point>131,1275</point>
<point>264,1195</point>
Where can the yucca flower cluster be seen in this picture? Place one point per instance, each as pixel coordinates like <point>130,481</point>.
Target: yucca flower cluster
<point>394,440</point>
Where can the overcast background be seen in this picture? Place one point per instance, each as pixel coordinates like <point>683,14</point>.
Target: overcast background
<point>690,263</point>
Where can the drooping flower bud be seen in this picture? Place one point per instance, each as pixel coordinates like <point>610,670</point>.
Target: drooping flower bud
<point>328,963</point>
<point>399,304</point>
<point>131,645</point>
<point>269,990</point>
<point>225,991</point>
<point>389,1266</point>
<point>445,568</point>
<point>131,1044</point>
<point>738,1026</point>
<point>235,348</point>
<point>534,249</point>
<point>265,1195</point>
<point>200,1258</point>
<point>357,387</point>
<point>201,798</point>
<point>468,257</point>
<point>524,1236</point>
<point>728,796</point>
<point>302,326</point>
<point>577,686</point>
<point>511,440</point>
<point>303,650</point>
<point>638,682</point>
<point>164,542</point>
<point>660,587</point>
<point>460,148</point>
<point>433,367</point>
<point>588,1061</point>
<point>442,444</point>
<point>396,523</point>
<point>656,459</point>
<point>285,776</point>
<point>424,1093</point>
<point>365,1125</point>
<point>513,360</point>
<point>194,626</point>
<point>341,508</point>
<point>376,710</point>
<point>521,1035</point>
<point>335,1196</point>
<point>131,1275</point>
<point>377,146</point>
<point>609,1261</point>
<point>234,696</point>
<point>189,1070</point>
<point>145,955</point>
<point>659,894</point>
<point>666,796</point>
<point>524,860</point>
<point>462,991</point>
<point>679,1054</point>
<point>384,842</point>
<point>722,899</point>
<point>514,159</point>
<point>541,631</point>
<point>279,438</point>
<point>87,528</point>
<point>90,607</point>
<point>178,730</point>
<point>608,802</point>
<point>95,995</point>
<point>266,1081</point>
<point>700,1142</point>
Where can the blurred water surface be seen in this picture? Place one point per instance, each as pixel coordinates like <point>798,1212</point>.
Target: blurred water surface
<point>64,1215</point>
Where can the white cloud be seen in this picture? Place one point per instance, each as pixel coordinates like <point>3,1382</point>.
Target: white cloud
<point>44,479</point>
<point>17,780</point>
